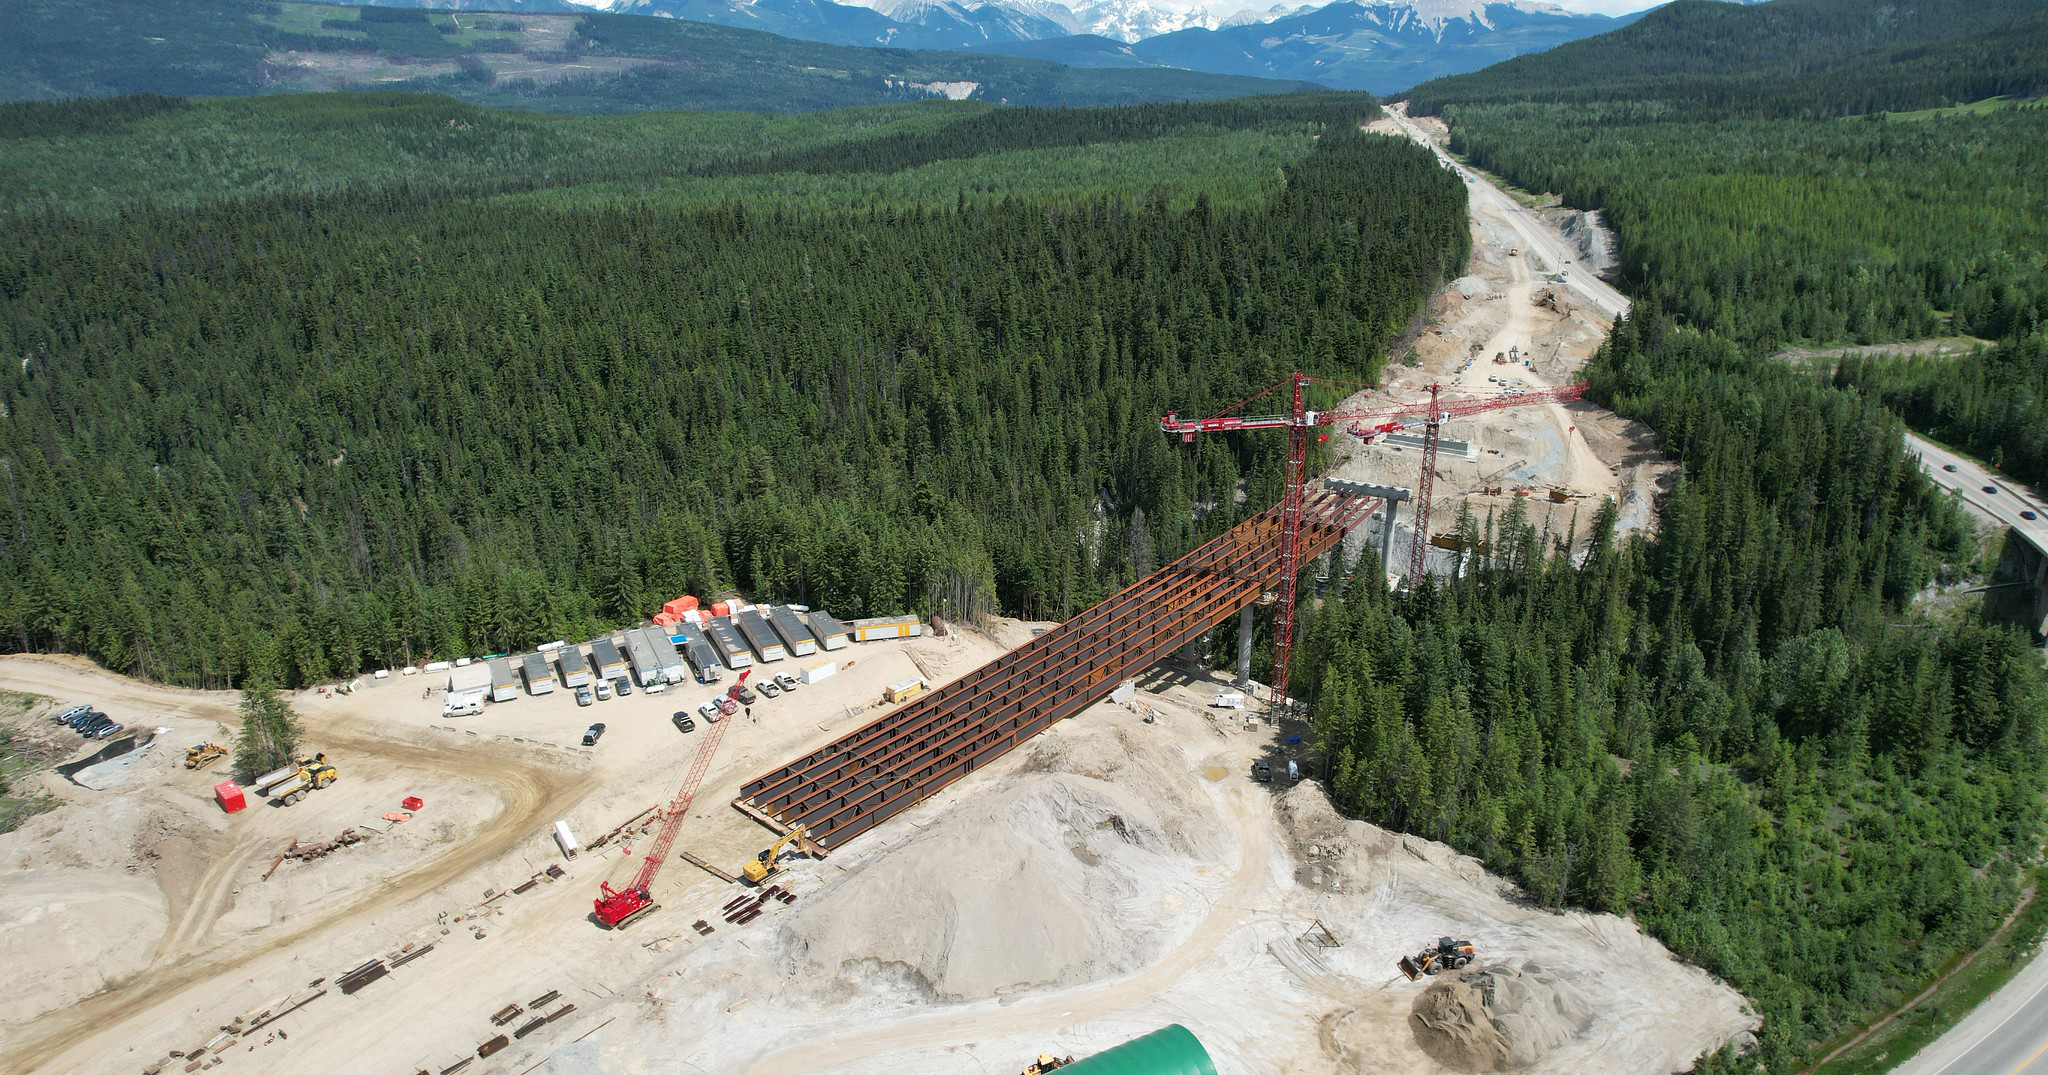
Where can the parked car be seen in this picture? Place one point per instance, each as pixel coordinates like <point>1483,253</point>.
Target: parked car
<point>604,690</point>
<point>583,695</point>
<point>769,689</point>
<point>68,715</point>
<point>109,730</point>
<point>1950,467</point>
<point>684,723</point>
<point>91,729</point>
<point>78,721</point>
<point>727,706</point>
<point>785,681</point>
<point>709,710</point>
<point>1262,771</point>
<point>623,686</point>
<point>746,695</point>
<point>592,734</point>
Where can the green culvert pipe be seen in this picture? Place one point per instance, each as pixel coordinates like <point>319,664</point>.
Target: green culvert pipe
<point>1170,1050</point>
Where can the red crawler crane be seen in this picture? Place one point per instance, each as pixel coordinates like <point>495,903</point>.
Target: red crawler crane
<point>617,907</point>
<point>1367,422</point>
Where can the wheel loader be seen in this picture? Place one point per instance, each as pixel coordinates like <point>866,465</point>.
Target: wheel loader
<point>1446,954</point>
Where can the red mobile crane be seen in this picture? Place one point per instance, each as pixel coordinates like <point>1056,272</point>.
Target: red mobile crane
<point>617,907</point>
<point>1367,422</point>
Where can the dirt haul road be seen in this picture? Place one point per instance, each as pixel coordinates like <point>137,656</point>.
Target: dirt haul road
<point>532,794</point>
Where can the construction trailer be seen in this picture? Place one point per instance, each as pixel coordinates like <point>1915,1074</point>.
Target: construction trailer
<point>640,652</point>
<point>727,642</point>
<point>760,637</point>
<point>504,682</point>
<point>574,665</point>
<point>467,687</point>
<point>670,662</point>
<point>538,679</point>
<point>698,651</point>
<point>883,627</point>
<point>796,636</point>
<point>611,664</point>
<point>831,634</point>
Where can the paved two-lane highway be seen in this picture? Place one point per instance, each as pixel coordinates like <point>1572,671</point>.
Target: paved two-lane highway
<point>2006,1035</point>
<point>2005,504</point>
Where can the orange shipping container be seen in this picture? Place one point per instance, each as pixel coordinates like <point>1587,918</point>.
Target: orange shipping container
<point>678,606</point>
<point>721,609</point>
<point>667,619</point>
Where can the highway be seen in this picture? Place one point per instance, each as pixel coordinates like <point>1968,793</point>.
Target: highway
<point>1538,242</point>
<point>2006,1035</point>
<point>1952,471</point>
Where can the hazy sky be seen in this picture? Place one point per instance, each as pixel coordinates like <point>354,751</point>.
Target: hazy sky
<point>1606,7</point>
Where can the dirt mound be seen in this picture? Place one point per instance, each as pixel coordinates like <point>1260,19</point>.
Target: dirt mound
<point>1498,1018</point>
<point>80,931</point>
<point>1058,877</point>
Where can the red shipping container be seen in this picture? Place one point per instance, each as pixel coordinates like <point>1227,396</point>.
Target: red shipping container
<point>721,609</point>
<point>229,796</point>
<point>667,619</point>
<point>688,602</point>
<point>680,605</point>
<point>412,802</point>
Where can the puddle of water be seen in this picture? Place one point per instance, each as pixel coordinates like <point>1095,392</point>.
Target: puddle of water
<point>1214,773</point>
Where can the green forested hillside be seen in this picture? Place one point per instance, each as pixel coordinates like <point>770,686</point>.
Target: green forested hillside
<point>317,431</point>
<point>575,63</point>
<point>1784,58</point>
<point>1743,731</point>
<point>1993,404</point>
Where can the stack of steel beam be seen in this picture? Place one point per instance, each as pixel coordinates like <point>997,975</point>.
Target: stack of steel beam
<point>883,768</point>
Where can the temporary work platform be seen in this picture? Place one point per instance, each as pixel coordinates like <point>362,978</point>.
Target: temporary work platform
<point>796,637</point>
<point>882,627</point>
<point>883,768</point>
<point>698,652</point>
<point>504,684</point>
<point>760,637</point>
<point>611,664</point>
<point>538,679</point>
<point>727,642</point>
<point>831,633</point>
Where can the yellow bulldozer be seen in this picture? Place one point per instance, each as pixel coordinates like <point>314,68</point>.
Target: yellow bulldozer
<point>1446,954</point>
<point>203,755</point>
<point>1047,1062</point>
<point>767,862</point>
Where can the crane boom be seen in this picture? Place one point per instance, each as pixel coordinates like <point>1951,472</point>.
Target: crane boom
<point>616,907</point>
<point>1367,422</point>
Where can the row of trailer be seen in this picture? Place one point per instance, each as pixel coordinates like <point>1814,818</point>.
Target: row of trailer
<point>700,650</point>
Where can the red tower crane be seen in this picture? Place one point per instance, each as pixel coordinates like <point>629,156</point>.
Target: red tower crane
<point>1368,422</point>
<point>617,907</point>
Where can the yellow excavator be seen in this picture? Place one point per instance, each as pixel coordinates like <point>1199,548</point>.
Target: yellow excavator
<point>757,869</point>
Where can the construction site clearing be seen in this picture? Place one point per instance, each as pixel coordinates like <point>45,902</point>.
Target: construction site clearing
<point>1118,872</point>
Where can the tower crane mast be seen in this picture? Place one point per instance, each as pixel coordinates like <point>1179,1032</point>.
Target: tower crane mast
<point>1367,421</point>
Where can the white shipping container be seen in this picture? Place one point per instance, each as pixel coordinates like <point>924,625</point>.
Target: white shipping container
<point>1230,700</point>
<point>409,670</point>
<point>381,673</point>
<point>463,662</point>
<point>819,672</point>
<point>440,666</point>
<point>565,840</point>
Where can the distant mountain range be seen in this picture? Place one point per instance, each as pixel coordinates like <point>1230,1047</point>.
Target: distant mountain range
<point>1376,45</point>
<point>579,61</point>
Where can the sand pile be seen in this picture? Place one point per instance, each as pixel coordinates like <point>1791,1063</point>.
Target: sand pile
<point>1498,1018</point>
<point>1074,870</point>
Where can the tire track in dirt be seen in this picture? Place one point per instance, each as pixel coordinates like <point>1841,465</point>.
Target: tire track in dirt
<point>530,792</point>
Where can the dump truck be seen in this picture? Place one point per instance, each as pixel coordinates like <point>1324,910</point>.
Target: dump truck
<point>203,755</point>
<point>291,783</point>
<point>1446,954</point>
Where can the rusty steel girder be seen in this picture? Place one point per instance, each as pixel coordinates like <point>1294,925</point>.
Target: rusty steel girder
<point>890,764</point>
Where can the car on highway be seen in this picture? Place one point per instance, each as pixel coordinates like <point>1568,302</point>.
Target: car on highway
<point>1991,489</point>
<point>684,723</point>
<point>1950,467</point>
<point>2028,516</point>
<point>592,734</point>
